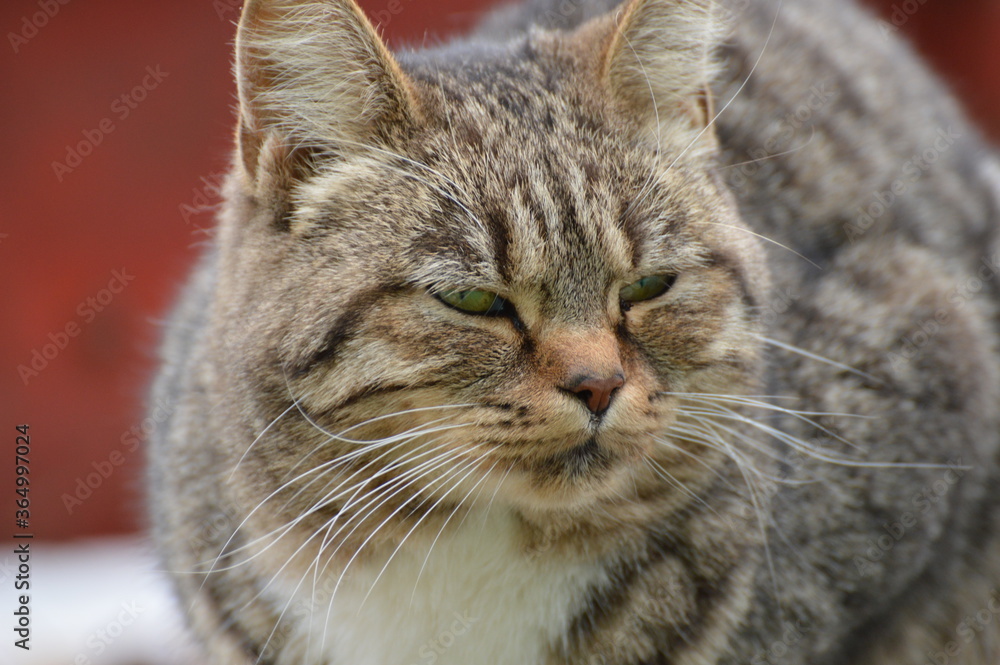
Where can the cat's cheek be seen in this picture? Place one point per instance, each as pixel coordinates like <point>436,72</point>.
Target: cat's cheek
<point>694,332</point>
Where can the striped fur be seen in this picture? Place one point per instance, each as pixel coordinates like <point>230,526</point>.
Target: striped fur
<point>801,463</point>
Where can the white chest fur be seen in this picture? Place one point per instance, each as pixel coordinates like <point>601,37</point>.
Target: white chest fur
<point>479,600</point>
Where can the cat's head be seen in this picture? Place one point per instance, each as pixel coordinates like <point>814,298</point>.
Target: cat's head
<point>485,269</point>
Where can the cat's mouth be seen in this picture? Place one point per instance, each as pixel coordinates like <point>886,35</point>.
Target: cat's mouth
<point>574,474</point>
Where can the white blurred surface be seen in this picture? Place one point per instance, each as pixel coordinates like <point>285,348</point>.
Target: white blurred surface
<point>99,602</point>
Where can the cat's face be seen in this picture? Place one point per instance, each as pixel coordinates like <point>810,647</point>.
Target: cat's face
<point>495,293</point>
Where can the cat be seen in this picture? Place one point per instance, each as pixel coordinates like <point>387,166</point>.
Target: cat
<point>662,332</point>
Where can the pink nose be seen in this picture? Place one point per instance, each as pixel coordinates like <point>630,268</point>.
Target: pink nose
<point>595,391</point>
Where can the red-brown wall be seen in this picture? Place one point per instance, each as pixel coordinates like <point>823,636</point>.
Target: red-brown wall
<point>93,251</point>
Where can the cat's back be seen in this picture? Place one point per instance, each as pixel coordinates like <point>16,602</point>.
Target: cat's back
<point>837,137</point>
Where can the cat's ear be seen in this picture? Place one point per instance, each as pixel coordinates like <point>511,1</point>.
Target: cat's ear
<point>658,62</point>
<point>313,77</point>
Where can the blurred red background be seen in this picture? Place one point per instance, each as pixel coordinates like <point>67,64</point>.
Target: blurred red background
<point>93,247</point>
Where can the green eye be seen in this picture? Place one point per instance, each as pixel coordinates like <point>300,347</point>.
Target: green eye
<point>646,288</point>
<point>475,301</point>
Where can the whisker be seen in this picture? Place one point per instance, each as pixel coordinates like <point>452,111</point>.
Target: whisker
<point>489,506</point>
<point>329,498</point>
<point>790,151</point>
<point>672,481</point>
<point>798,415</point>
<point>479,494</point>
<point>753,443</point>
<point>755,401</point>
<point>470,466</point>
<point>812,356</point>
<point>767,239</point>
<point>403,481</point>
<point>410,477</point>
<point>454,472</point>
<point>393,443</point>
<point>818,453</point>
<point>704,434</point>
<point>338,437</point>
<point>763,529</point>
<point>367,444</point>
<point>295,591</point>
<point>739,90</point>
<point>646,185</point>
<point>443,526</point>
<point>262,433</point>
<point>697,459</point>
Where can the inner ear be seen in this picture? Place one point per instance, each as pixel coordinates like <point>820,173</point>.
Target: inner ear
<point>657,61</point>
<point>314,79</point>
<point>704,107</point>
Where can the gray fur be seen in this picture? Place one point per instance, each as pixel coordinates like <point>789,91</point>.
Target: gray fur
<point>843,243</point>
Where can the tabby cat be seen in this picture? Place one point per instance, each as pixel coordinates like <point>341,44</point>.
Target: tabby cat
<point>660,333</point>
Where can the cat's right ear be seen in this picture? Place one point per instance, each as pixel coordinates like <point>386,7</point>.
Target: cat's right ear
<point>657,62</point>
<point>314,78</point>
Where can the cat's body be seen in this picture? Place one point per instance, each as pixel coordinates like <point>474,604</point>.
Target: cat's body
<point>836,251</point>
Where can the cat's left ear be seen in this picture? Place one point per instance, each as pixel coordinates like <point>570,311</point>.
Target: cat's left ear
<point>657,63</point>
<point>314,78</point>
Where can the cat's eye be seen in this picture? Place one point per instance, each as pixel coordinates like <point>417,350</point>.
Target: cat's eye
<point>475,301</point>
<point>646,288</point>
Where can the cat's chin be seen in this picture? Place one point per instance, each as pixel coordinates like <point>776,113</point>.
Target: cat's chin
<point>575,478</point>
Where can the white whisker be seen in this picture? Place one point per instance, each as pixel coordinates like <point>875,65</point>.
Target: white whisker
<point>798,415</point>
<point>671,480</point>
<point>739,90</point>
<point>443,526</point>
<point>812,356</point>
<point>262,433</point>
<point>743,229</point>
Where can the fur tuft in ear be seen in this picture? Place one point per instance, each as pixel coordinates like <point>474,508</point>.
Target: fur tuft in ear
<point>659,63</point>
<point>313,76</point>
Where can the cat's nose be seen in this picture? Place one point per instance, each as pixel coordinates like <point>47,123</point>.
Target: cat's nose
<point>595,391</point>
